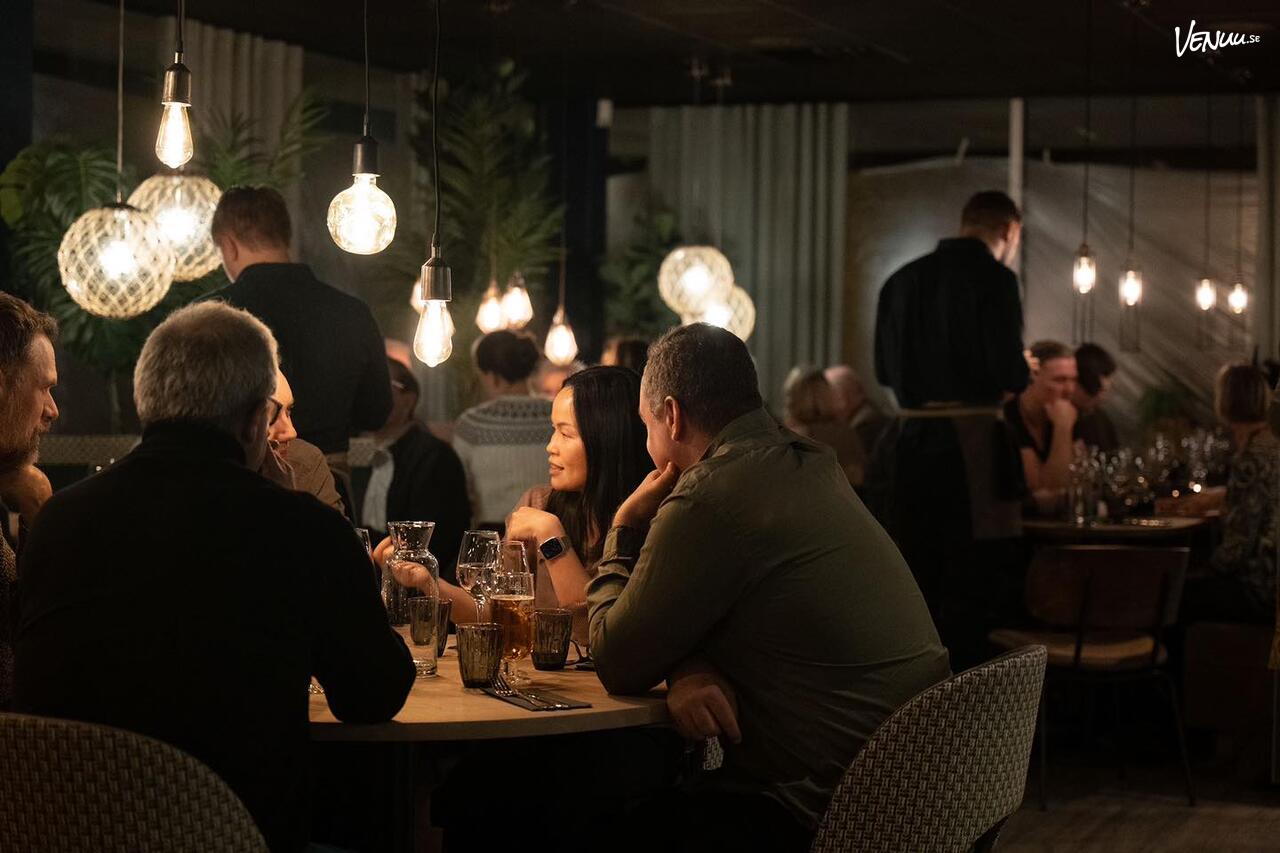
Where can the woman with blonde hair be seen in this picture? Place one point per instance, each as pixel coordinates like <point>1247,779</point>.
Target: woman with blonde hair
<point>812,409</point>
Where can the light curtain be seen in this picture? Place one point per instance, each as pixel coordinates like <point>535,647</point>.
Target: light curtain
<point>1266,299</point>
<point>767,184</point>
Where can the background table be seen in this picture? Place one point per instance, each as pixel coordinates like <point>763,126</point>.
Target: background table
<point>1168,530</point>
<point>441,709</point>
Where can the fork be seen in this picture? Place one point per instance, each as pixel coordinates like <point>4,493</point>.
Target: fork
<point>505,690</point>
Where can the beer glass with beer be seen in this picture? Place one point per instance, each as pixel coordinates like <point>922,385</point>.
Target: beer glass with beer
<point>511,604</point>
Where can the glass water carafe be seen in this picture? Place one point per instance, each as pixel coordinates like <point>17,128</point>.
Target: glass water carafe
<point>409,540</point>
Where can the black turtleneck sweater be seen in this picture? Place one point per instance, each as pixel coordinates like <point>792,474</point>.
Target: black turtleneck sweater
<point>330,351</point>
<point>181,595</point>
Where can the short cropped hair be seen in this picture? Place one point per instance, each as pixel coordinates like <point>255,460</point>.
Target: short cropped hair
<point>208,363</point>
<point>708,371</point>
<point>990,210</point>
<point>19,326</point>
<point>1043,351</point>
<point>510,355</point>
<point>1241,394</point>
<point>255,216</point>
<point>1093,364</point>
<point>807,395</point>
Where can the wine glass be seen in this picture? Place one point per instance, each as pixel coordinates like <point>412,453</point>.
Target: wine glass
<point>512,605</point>
<point>477,561</point>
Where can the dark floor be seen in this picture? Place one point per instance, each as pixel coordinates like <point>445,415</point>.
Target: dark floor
<point>1092,808</point>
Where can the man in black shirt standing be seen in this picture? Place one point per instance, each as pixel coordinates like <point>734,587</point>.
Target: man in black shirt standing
<point>946,480</point>
<point>330,346</point>
<point>181,595</point>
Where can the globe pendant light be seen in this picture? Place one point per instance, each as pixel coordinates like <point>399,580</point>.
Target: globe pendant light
<point>517,309</point>
<point>362,218</point>
<point>433,340</point>
<point>489,316</point>
<point>561,346</point>
<point>693,277</point>
<point>113,260</point>
<point>1238,298</point>
<point>737,313</point>
<point>183,206</point>
<point>173,141</point>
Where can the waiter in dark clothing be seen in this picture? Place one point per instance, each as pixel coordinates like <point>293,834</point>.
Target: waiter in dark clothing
<point>946,480</point>
<point>330,346</point>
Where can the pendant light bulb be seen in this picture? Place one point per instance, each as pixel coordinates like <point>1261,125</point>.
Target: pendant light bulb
<point>173,143</point>
<point>517,309</point>
<point>1238,298</point>
<point>362,218</point>
<point>490,317</point>
<point>433,341</point>
<point>561,347</point>
<point>1206,294</point>
<point>1131,287</point>
<point>1084,275</point>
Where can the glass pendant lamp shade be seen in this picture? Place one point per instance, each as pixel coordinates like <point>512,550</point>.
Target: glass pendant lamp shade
<point>115,263</point>
<point>1238,298</point>
<point>173,143</point>
<point>1131,287</point>
<point>416,300</point>
<point>489,316</point>
<point>433,341</point>
<point>561,347</point>
<point>362,218</point>
<point>1206,294</point>
<point>183,206</point>
<point>736,313</point>
<point>693,277</point>
<point>517,309</point>
<point>1084,275</point>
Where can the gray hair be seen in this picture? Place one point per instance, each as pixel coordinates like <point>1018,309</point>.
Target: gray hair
<point>707,370</point>
<point>209,363</point>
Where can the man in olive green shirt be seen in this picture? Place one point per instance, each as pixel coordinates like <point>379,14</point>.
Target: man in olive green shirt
<point>747,571</point>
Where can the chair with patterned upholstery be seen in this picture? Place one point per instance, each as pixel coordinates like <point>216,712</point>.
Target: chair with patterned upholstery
<point>70,786</point>
<point>946,770</point>
<point>1103,610</point>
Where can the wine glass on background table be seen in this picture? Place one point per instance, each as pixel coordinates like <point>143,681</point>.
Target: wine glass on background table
<point>477,563</point>
<point>511,603</point>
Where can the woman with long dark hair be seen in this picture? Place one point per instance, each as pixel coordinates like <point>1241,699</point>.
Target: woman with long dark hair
<point>596,458</point>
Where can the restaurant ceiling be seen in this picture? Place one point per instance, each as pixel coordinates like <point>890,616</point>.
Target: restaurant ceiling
<point>637,51</point>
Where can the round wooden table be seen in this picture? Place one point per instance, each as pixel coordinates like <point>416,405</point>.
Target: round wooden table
<point>441,709</point>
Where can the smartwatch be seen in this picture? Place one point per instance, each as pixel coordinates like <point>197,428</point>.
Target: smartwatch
<point>554,547</point>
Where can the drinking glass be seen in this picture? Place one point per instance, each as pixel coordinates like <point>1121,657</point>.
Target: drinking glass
<point>551,630</point>
<point>443,611</point>
<point>423,613</point>
<point>511,604</point>
<point>477,562</point>
<point>512,557</point>
<point>479,653</point>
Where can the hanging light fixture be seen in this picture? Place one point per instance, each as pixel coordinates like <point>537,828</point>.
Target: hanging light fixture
<point>517,309</point>
<point>737,313</point>
<point>362,218</point>
<point>489,316</point>
<point>693,277</point>
<point>433,340</point>
<point>561,346</point>
<point>1238,298</point>
<point>173,141</point>
<point>113,260</point>
<point>1130,289</point>
<point>1206,289</point>
<point>1084,272</point>
<point>182,206</point>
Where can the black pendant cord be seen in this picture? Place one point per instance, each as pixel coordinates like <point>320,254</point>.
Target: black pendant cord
<point>1133,136</point>
<point>435,148</point>
<point>564,163</point>
<point>182,17</point>
<point>120,110</point>
<point>1240,195</point>
<point>1208,175</point>
<point>1088,116</point>
<point>366,68</point>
